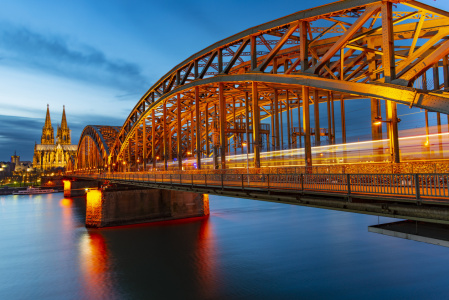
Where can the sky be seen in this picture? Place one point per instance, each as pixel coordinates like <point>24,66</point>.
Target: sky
<point>99,57</point>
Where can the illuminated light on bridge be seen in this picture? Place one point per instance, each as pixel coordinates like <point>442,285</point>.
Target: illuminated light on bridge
<point>351,153</point>
<point>67,187</point>
<point>94,207</point>
<point>206,204</point>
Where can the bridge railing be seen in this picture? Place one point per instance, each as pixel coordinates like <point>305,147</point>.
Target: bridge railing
<point>417,186</point>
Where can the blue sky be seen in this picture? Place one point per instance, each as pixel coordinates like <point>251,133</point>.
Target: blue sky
<point>98,57</point>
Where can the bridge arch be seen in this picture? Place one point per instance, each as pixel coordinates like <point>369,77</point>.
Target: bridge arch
<point>94,147</point>
<point>347,55</point>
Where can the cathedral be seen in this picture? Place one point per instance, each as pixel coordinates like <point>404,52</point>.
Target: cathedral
<point>48,154</point>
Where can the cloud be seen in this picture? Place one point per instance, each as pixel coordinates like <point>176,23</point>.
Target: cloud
<point>63,57</point>
<point>18,133</point>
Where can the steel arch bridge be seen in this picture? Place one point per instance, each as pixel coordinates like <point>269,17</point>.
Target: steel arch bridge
<point>370,50</point>
<point>94,146</point>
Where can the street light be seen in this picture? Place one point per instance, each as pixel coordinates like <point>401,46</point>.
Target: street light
<point>379,121</point>
<point>245,144</point>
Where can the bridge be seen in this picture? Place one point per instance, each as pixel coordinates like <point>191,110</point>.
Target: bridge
<point>235,117</point>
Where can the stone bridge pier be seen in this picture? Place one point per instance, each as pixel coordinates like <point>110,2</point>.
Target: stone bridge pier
<point>113,205</point>
<point>77,188</point>
<point>117,206</point>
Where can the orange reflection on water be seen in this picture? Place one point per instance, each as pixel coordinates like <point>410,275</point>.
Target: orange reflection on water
<point>94,265</point>
<point>67,217</point>
<point>207,265</point>
<point>66,202</point>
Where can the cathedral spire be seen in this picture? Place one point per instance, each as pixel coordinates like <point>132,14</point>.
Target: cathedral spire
<point>64,120</point>
<point>63,132</point>
<point>48,137</point>
<point>47,118</point>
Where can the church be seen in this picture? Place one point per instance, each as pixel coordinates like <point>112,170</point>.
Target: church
<point>49,155</point>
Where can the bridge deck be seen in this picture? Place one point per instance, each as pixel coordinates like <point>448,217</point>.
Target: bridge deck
<point>413,196</point>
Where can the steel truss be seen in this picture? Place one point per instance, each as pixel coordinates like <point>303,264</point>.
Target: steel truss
<point>94,146</point>
<point>214,101</point>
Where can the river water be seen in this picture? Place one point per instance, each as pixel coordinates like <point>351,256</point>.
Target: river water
<point>246,249</point>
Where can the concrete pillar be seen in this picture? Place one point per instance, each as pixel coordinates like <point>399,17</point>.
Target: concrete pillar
<point>78,188</point>
<point>106,208</point>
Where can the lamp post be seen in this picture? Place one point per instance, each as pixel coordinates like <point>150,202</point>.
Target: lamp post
<point>245,144</point>
<point>393,136</point>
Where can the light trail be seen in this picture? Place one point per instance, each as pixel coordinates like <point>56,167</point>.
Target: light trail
<point>413,148</point>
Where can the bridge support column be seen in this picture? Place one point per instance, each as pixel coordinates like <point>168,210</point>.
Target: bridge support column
<point>106,208</point>
<point>77,188</point>
<point>178,131</point>
<point>343,119</point>
<point>299,135</point>
<point>256,125</point>
<point>67,187</point>
<point>144,144</point>
<point>206,124</point>
<point>289,135</point>
<point>276,120</point>
<point>164,136</point>
<point>376,130</point>
<point>333,117</point>
<point>446,79</point>
<point>153,134</point>
<point>222,118</point>
<point>306,126</point>
<point>392,119</point>
<point>316,111</point>
<point>199,149</point>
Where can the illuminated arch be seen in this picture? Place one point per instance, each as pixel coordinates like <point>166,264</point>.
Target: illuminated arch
<point>344,55</point>
<point>94,146</point>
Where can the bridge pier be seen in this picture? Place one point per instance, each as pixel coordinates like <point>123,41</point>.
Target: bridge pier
<point>76,188</point>
<point>109,207</point>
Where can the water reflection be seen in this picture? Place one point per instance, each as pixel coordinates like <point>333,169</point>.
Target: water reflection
<point>207,259</point>
<point>245,250</point>
<point>94,266</point>
<point>66,202</point>
<point>170,259</point>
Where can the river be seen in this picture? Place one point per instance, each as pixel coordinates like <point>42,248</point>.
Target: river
<point>246,249</point>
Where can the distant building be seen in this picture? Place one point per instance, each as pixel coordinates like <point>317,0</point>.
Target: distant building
<point>6,169</point>
<point>48,154</point>
<point>24,166</point>
<point>15,159</point>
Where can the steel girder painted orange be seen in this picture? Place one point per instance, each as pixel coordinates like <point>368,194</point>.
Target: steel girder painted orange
<point>103,138</point>
<point>345,55</point>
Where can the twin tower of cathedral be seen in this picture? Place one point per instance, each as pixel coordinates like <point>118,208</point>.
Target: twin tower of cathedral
<point>62,133</point>
<point>48,154</point>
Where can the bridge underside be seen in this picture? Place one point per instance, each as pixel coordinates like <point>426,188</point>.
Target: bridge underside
<point>428,210</point>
